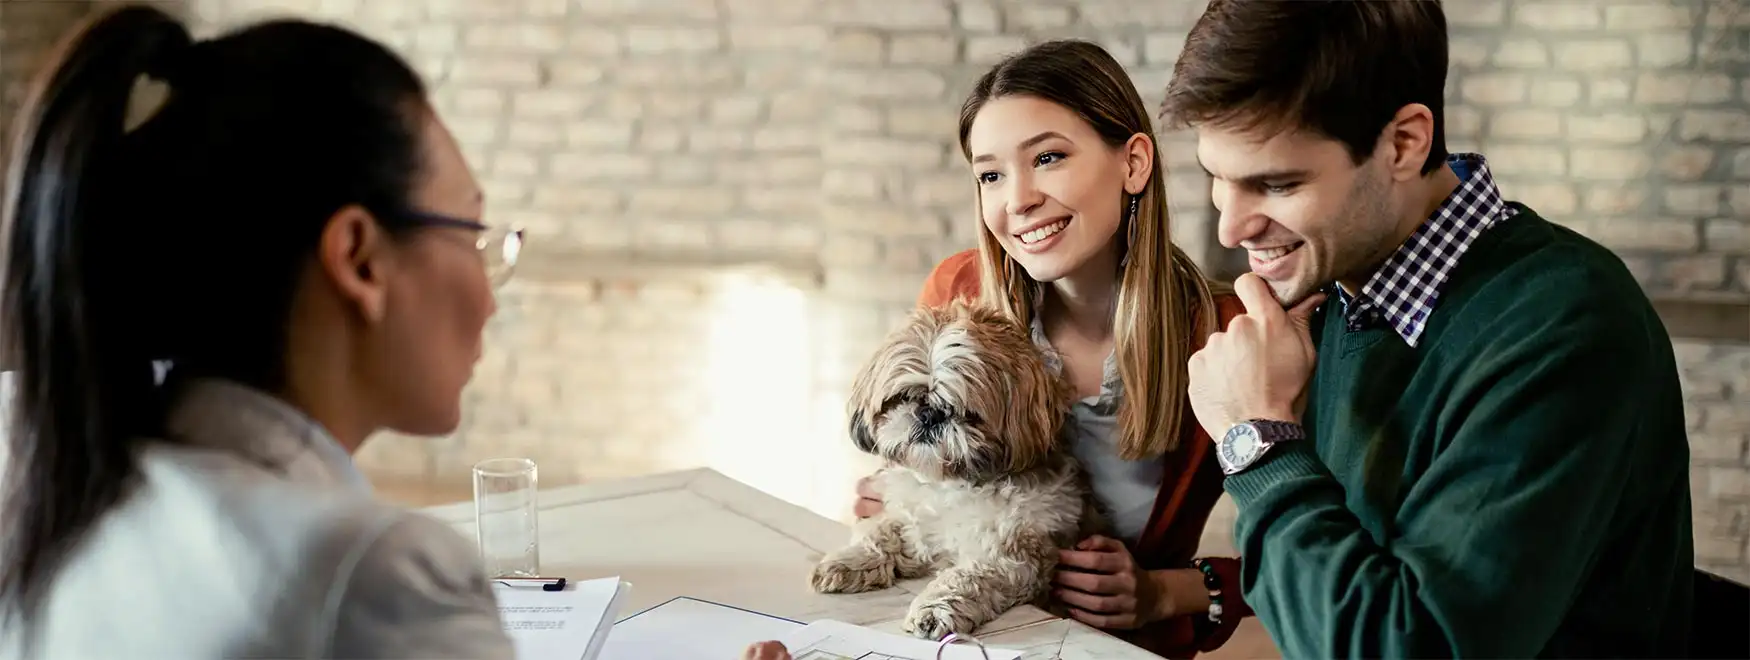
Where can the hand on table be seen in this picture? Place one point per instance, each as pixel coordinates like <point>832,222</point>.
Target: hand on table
<point>868,500</point>
<point>1113,593</point>
<point>1258,367</point>
<point>766,651</point>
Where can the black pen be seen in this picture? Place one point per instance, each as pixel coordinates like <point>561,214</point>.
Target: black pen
<point>545,583</point>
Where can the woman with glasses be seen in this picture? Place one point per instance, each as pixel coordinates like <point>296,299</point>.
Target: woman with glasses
<point>208,310</point>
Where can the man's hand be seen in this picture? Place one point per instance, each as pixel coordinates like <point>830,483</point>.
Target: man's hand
<point>1114,593</point>
<point>868,500</point>
<point>766,651</point>
<point>1258,368</point>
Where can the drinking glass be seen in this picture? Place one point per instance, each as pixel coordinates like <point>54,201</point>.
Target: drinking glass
<point>505,517</point>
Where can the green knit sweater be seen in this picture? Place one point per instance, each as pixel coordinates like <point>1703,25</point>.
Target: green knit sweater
<point>1516,486</point>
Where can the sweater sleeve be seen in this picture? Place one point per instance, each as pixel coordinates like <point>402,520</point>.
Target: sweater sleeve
<point>1539,435</point>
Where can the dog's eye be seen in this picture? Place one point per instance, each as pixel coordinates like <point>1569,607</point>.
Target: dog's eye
<point>973,419</point>
<point>908,397</point>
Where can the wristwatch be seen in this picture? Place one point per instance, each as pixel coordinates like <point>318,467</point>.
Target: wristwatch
<point>1247,442</point>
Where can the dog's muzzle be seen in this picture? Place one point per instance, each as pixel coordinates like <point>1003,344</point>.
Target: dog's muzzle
<point>929,418</point>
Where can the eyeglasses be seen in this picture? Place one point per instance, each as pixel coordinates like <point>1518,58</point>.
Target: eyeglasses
<point>499,246</point>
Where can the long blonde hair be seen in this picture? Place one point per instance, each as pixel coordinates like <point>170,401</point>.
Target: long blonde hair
<point>1161,291</point>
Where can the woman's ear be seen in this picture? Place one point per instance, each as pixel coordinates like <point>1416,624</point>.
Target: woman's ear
<point>1139,162</point>
<point>351,254</point>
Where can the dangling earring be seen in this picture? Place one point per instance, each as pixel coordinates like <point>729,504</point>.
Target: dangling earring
<point>1135,204</point>
<point>1130,232</point>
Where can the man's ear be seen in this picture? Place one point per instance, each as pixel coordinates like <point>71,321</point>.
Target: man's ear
<point>1410,136</point>
<point>351,253</point>
<point>1139,161</point>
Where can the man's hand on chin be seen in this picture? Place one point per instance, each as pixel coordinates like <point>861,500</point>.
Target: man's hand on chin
<point>1257,367</point>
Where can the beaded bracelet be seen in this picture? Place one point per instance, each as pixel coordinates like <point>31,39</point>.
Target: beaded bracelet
<point>1212,582</point>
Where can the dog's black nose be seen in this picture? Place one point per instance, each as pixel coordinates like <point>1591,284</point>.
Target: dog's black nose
<point>929,416</point>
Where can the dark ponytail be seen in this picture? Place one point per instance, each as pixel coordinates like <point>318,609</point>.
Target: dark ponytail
<point>179,241</point>
<point>82,386</point>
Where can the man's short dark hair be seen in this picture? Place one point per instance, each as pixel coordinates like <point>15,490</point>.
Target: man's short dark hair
<point>1338,68</point>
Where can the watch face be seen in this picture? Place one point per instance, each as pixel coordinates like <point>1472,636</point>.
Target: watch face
<point>1241,446</point>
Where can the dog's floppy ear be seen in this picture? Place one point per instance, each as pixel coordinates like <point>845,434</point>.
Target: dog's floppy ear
<point>1042,407</point>
<point>902,352</point>
<point>861,435</point>
<point>1034,400</point>
<point>864,402</point>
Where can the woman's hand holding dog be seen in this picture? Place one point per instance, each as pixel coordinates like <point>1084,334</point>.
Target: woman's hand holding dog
<point>868,500</point>
<point>1113,593</point>
<point>766,651</point>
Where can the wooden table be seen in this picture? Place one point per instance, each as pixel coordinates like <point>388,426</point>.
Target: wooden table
<point>698,533</point>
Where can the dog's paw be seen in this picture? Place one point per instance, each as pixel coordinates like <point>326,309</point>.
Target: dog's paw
<point>934,619</point>
<point>850,574</point>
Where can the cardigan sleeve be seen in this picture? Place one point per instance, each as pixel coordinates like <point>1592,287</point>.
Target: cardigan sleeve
<point>1186,501</point>
<point>1190,634</point>
<point>1227,569</point>
<point>1186,636</point>
<point>1233,605</point>
<point>955,277</point>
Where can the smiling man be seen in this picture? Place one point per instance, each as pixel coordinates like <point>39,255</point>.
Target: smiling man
<point>1464,435</point>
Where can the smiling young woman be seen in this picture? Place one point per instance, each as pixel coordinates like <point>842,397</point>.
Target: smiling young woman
<point>1074,243</point>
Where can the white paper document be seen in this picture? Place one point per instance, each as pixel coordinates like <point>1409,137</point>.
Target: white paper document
<point>836,640</point>
<point>692,629</point>
<point>559,625</point>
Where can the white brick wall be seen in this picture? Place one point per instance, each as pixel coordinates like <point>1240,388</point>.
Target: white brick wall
<point>1717,387</point>
<point>818,136</point>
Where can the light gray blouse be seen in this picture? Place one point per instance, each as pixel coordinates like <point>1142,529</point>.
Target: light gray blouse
<point>1127,488</point>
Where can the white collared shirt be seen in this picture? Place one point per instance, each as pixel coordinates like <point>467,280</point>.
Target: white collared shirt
<point>252,534</point>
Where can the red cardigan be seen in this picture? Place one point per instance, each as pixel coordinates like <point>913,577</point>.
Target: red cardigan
<point>1190,485</point>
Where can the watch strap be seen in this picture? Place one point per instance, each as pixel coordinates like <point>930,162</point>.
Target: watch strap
<point>1273,431</point>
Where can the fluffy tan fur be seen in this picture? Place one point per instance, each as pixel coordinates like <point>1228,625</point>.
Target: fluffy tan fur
<point>980,489</point>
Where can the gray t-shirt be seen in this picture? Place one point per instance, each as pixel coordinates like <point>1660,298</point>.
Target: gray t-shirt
<point>1126,488</point>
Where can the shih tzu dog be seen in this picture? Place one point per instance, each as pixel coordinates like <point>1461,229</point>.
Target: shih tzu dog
<point>979,489</point>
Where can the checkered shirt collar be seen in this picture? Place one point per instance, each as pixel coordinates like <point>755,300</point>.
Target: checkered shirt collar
<point>1403,292</point>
